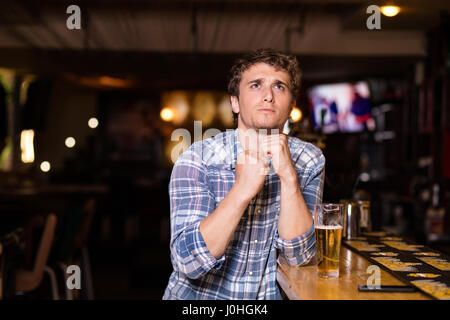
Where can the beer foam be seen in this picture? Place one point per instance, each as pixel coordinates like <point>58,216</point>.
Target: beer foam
<point>328,227</point>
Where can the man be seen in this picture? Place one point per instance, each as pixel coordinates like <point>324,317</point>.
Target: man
<point>245,196</point>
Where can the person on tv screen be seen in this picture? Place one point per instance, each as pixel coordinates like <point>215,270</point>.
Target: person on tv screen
<point>360,108</point>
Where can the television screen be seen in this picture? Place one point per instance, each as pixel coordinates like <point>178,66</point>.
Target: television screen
<point>340,107</point>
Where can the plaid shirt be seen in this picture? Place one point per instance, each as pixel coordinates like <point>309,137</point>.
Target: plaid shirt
<point>201,177</point>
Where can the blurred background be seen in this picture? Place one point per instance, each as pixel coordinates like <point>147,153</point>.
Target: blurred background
<point>88,115</point>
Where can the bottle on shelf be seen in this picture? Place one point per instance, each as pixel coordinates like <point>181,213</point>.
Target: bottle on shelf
<point>435,217</point>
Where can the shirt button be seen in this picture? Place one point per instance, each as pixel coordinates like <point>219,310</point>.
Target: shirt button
<point>256,241</point>
<point>258,211</point>
<point>250,273</point>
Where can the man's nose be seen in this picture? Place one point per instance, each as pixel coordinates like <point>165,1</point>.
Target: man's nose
<point>268,95</point>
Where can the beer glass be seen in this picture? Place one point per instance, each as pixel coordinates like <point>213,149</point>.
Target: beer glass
<point>328,223</point>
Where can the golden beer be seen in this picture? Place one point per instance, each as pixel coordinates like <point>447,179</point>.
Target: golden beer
<point>328,242</point>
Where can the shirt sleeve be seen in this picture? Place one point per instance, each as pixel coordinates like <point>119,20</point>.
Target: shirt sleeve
<point>297,251</point>
<point>300,250</point>
<point>190,202</point>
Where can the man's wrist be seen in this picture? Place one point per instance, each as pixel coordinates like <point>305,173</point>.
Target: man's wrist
<point>241,195</point>
<point>289,179</point>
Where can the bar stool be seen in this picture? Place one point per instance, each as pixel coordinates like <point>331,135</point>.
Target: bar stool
<point>25,280</point>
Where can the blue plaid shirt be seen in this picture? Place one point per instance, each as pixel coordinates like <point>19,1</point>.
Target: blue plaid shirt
<point>201,177</point>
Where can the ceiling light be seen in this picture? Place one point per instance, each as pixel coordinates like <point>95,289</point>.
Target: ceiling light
<point>390,11</point>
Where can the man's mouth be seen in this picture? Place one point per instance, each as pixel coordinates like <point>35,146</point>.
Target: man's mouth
<point>266,110</point>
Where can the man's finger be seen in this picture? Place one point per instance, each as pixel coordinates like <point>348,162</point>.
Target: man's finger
<point>265,170</point>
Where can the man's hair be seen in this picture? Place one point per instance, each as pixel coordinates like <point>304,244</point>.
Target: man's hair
<point>276,59</point>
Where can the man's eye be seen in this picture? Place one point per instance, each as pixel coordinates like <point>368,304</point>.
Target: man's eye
<point>254,85</point>
<point>279,87</point>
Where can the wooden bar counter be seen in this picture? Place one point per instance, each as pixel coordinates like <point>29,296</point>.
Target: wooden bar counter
<point>303,283</point>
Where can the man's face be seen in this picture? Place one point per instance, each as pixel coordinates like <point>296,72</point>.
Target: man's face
<point>265,99</point>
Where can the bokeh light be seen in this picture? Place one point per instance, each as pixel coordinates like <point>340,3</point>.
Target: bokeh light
<point>167,114</point>
<point>45,166</point>
<point>70,142</point>
<point>93,123</point>
<point>296,114</point>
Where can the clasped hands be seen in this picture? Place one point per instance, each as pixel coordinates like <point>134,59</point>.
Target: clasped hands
<point>253,162</point>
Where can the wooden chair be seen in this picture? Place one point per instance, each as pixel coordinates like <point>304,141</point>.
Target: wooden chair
<point>25,280</point>
<point>79,254</point>
<point>9,245</point>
